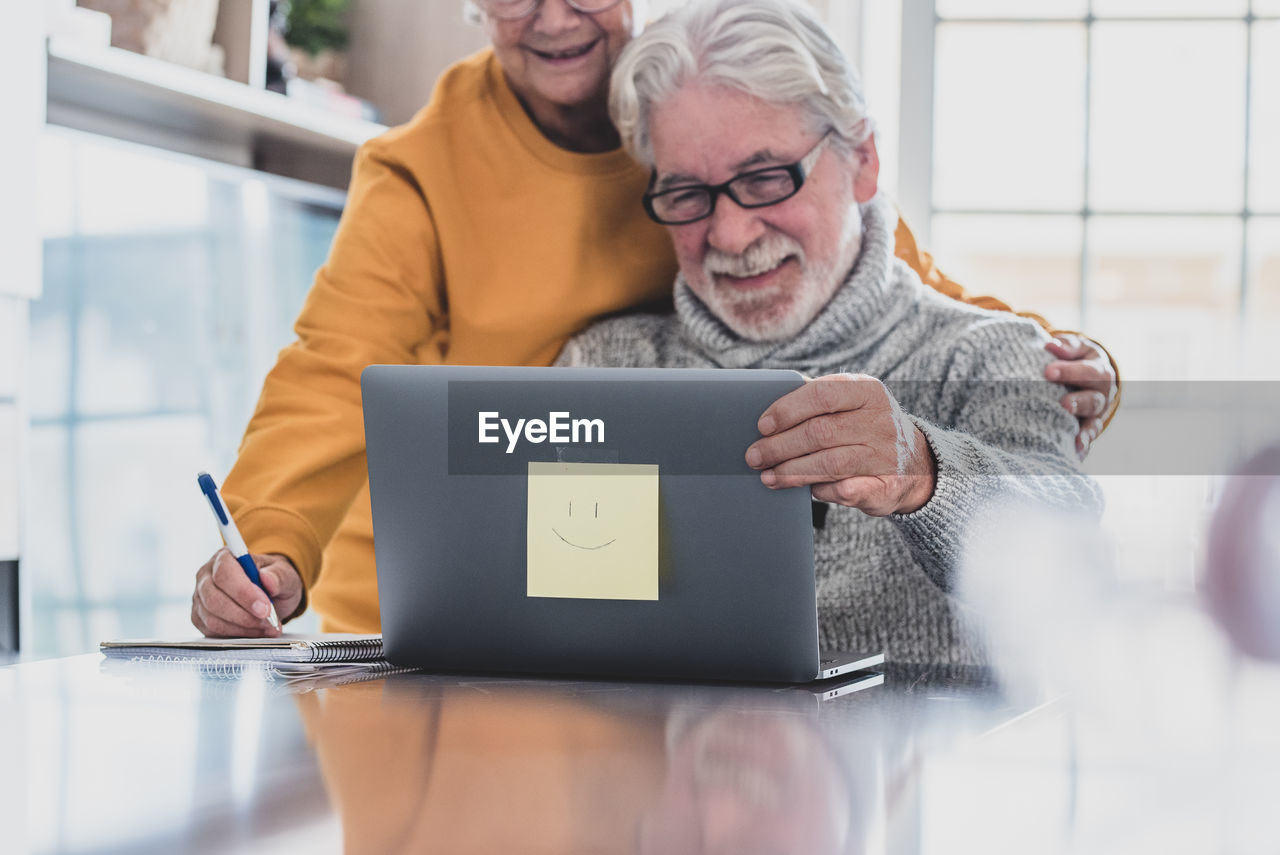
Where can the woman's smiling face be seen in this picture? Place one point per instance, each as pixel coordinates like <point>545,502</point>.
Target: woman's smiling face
<point>559,57</point>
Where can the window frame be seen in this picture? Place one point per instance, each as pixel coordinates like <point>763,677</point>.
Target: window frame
<point>920,22</point>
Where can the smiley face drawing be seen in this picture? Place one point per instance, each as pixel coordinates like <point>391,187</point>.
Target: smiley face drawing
<point>592,531</point>
<point>595,514</point>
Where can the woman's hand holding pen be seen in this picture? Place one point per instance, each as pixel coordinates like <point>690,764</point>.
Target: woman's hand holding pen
<point>227,605</point>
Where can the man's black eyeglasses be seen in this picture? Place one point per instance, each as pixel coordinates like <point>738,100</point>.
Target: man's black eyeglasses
<point>758,188</point>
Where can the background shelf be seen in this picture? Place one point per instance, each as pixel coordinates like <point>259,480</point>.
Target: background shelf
<point>130,96</point>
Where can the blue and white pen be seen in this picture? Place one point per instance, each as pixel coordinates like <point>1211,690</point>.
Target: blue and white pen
<point>231,537</point>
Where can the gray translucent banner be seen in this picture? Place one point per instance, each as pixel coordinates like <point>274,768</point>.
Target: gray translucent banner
<point>696,427</point>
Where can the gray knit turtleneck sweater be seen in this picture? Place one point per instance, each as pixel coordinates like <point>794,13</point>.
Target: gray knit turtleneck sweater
<point>883,582</point>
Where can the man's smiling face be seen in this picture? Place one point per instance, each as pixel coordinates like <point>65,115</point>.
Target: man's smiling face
<point>766,272</point>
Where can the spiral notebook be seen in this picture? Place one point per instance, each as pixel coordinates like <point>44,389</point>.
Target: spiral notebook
<point>290,677</point>
<point>290,647</point>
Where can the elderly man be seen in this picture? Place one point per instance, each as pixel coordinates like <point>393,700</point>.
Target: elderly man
<point>765,171</point>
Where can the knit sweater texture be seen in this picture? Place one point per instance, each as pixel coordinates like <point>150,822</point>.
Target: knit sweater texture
<point>969,378</point>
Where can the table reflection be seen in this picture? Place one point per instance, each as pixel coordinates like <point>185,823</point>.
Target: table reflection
<point>1152,754</point>
<point>740,781</point>
<point>417,763</point>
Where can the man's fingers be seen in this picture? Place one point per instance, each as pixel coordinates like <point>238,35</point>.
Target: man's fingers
<point>1091,374</point>
<point>848,491</point>
<point>1084,404</point>
<point>808,437</point>
<point>866,493</point>
<point>831,394</point>
<point>828,465</point>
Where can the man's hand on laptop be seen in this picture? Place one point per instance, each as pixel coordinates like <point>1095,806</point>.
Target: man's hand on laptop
<point>226,604</point>
<point>846,437</point>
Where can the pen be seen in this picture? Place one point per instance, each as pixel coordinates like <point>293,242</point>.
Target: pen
<point>231,537</point>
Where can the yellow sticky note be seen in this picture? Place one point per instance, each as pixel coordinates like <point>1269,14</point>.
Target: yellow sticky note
<point>593,531</point>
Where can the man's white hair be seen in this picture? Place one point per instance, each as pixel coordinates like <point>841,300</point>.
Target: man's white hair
<point>775,50</point>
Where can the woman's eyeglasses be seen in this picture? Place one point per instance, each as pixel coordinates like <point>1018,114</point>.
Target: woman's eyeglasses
<point>514,10</point>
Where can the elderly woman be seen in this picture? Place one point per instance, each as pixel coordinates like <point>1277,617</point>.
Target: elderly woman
<point>497,223</point>
<point>927,414</point>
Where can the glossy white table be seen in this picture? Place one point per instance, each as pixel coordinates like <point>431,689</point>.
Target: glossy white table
<point>133,758</point>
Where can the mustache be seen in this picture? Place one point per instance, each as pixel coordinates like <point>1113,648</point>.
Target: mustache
<point>760,257</point>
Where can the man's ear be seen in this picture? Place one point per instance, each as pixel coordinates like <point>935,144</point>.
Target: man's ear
<point>866,181</point>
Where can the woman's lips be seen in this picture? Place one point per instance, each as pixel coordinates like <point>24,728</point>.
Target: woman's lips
<point>567,56</point>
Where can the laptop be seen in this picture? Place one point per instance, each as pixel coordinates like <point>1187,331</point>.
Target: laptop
<point>594,521</point>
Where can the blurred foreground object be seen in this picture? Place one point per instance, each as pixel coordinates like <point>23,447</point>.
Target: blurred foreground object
<point>1041,585</point>
<point>177,31</point>
<point>1242,574</point>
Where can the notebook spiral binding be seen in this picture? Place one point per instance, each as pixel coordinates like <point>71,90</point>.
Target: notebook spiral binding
<point>346,651</point>
<point>221,670</point>
<point>226,675</point>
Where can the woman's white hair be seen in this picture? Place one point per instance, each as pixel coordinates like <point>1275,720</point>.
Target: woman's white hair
<point>775,50</point>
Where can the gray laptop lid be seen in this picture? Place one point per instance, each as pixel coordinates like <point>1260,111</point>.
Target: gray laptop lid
<point>735,588</point>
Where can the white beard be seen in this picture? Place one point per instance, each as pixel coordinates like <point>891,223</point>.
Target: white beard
<point>776,312</point>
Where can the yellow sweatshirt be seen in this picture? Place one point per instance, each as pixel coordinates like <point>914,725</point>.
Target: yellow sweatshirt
<point>467,239</point>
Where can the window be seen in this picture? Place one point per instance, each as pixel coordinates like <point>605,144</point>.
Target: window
<point>170,284</point>
<point>1108,163</point>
